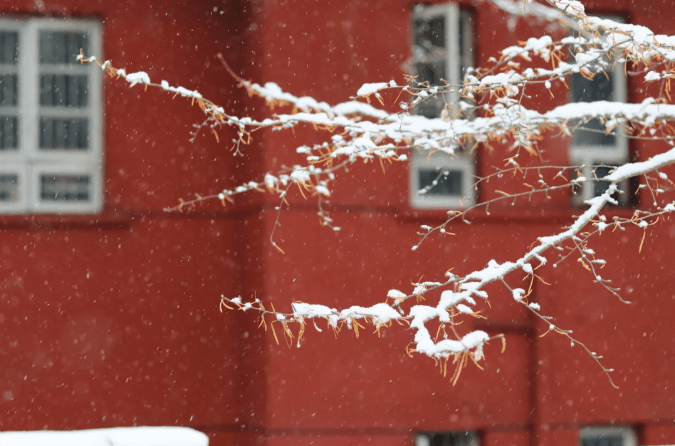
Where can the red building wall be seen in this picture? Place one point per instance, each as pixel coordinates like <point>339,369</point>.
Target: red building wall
<point>113,320</point>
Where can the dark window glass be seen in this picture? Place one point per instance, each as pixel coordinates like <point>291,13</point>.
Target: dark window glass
<point>447,181</point>
<point>431,56</point>
<point>65,187</point>
<point>600,187</point>
<point>9,132</point>
<point>451,439</point>
<point>601,88</point>
<point>64,133</point>
<point>429,33</point>
<point>63,90</point>
<point>62,47</point>
<point>9,47</point>
<point>431,72</point>
<point>9,90</point>
<point>602,440</point>
<point>9,184</point>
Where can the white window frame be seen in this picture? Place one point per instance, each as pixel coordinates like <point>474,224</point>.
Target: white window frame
<point>423,439</point>
<point>30,162</point>
<point>75,207</point>
<point>626,433</point>
<point>439,162</point>
<point>616,155</point>
<point>463,160</point>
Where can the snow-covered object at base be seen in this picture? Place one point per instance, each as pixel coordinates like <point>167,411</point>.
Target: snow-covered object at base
<point>118,436</point>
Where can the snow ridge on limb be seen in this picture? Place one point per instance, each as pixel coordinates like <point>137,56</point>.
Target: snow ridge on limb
<point>531,10</point>
<point>274,95</point>
<point>469,346</point>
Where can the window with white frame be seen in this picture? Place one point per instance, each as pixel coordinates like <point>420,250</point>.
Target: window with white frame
<point>442,53</point>
<point>447,439</point>
<point>50,117</point>
<point>607,436</point>
<point>591,145</point>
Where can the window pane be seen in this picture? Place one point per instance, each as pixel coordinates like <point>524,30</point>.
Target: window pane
<point>593,134</point>
<point>64,133</point>
<point>9,92</point>
<point>600,187</point>
<point>433,73</point>
<point>9,132</point>
<point>429,33</point>
<point>63,90</point>
<point>62,47</point>
<point>602,441</point>
<point>448,182</point>
<point>9,185</point>
<point>431,54</point>
<point>65,187</point>
<point>9,47</point>
<point>601,88</point>
<point>452,439</point>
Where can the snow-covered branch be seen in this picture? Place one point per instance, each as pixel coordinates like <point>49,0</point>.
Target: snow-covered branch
<point>495,112</point>
<point>517,10</point>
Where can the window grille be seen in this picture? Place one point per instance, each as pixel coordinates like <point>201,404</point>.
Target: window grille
<point>442,52</point>
<point>447,439</point>
<point>50,117</point>
<point>591,145</point>
<point>607,436</point>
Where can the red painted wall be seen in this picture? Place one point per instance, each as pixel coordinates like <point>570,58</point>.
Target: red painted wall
<point>113,320</point>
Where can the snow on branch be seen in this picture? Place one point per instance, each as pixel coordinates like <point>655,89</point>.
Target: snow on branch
<point>469,346</point>
<point>517,9</point>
